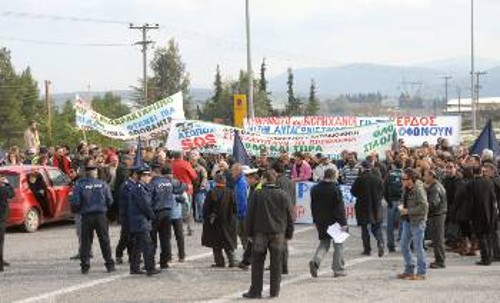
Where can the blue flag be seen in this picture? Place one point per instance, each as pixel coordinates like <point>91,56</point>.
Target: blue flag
<point>138,154</point>
<point>240,154</point>
<point>486,139</point>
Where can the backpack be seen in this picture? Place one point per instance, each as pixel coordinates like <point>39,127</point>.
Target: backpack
<point>395,185</point>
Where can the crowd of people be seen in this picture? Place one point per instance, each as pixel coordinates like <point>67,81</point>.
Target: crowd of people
<point>435,196</point>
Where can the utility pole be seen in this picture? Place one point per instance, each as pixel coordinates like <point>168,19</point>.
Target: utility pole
<point>472,70</point>
<point>478,88</point>
<point>145,42</point>
<point>459,95</point>
<point>251,111</point>
<point>49,111</point>
<point>446,79</point>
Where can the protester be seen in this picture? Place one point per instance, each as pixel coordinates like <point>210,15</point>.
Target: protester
<point>323,165</point>
<point>32,137</point>
<point>368,190</point>
<point>200,186</point>
<point>393,194</point>
<point>183,172</point>
<point>6,193</point>
<point>436,197</point>
<point>414,221</point>
<point>484,213</point>
<point>241,196</point>
<point>219,226</point>
<point>269,225</point>
<point>301,170</point>
<point>327,208</point>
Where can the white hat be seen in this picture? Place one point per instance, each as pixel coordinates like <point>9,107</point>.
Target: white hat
<point>248,171</point>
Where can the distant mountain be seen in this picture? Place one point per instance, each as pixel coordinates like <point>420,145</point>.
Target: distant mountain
<point>388,80</point>
<point>460,65</point>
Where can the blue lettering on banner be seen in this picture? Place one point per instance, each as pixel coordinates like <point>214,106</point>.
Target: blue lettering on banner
<point>434,131</point>
<point>303,188</point>
<point>195,133</point>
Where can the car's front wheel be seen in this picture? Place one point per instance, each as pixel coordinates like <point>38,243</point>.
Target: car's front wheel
<point>31,220</point>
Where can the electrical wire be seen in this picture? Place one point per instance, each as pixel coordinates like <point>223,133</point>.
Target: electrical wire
<point>62,43</point>
<point>13,14</point>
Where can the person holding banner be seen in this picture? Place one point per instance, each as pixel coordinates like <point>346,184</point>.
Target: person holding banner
<point>184,172</point>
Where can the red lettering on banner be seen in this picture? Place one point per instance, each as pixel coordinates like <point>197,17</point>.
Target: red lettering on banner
<point>416,121</point>
<point>198,142</point>
<point>350,212</point>
<point>299,211</point>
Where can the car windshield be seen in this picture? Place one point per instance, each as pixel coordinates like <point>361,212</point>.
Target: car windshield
<point>12,177</point>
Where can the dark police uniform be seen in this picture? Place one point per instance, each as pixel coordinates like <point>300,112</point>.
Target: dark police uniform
<point>140,214</point>
<point>163,200</point>
<point>125,195</point>
<point>6,193</point>
<point>91,198</point>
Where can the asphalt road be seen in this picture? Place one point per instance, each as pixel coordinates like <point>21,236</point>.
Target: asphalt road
<point>41,271</point>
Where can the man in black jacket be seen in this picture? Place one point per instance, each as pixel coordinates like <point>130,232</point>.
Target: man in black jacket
<point>269,225</point>
<point>6,193</point>
<point>436,197</point>
<point>327,207</point>
<point>368,189</point>
<point>490,171</point>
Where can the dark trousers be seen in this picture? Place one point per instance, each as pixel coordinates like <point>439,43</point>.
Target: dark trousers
<point>2,239</point>
<point>142,244</point>
<point>247,254</point>
<point>495,241</point>
<point>177,226</point>
<point>162,230</point>
<point>275,243</point>
<point>485,247</point>
<point>365,236</point>
<point>124,242</point>
<point>285,258</point>
<point>437,225</point>
<point>99,224</point>
<point>219,257</point>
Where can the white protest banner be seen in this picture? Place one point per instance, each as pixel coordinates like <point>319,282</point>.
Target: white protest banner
<point>303,208</point>
<point>414,130</point>
<point>216,138</point>
<point>145,122</point>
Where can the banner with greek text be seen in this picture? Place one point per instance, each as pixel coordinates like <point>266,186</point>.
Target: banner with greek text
<point>414,130</point>
<point>216,138</point>
<point>145,122</point>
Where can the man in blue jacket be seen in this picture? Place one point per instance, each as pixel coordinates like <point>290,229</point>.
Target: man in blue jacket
<point>163,200</point>
<point>91,198</point>
<point>140,214</point>
<point>241,194</point>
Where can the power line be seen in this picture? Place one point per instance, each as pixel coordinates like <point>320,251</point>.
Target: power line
<point>25,15</point>
<point>62,43</point>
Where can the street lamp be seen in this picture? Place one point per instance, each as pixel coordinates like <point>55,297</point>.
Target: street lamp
<point>249,63</point>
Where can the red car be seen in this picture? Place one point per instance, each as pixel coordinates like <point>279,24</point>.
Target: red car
<point>41,195</point>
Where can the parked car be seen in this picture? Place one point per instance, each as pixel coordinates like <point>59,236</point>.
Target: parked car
<point>41,196</point>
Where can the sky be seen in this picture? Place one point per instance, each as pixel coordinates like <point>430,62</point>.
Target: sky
<point>51,38</point>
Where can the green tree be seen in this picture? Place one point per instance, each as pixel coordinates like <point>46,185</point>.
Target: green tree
<point>12,120</point>
<point>312,102</point>
<point>169,74</point>
<point>110,106</point>
<point>294,105</point>
<point>264,105</point>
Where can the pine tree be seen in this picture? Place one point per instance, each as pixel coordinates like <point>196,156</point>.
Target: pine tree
<point>312,102</point>
<point>263,80</point>
<point>294,106</point>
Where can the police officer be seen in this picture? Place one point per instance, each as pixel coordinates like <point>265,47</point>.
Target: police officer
<point>140,214</point>
<point>163,190</point>
<point>125,194</point>
<point>91,199</point>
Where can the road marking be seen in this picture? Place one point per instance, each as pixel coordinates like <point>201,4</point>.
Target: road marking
<point>51,295</point>
<point>297,279</point>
